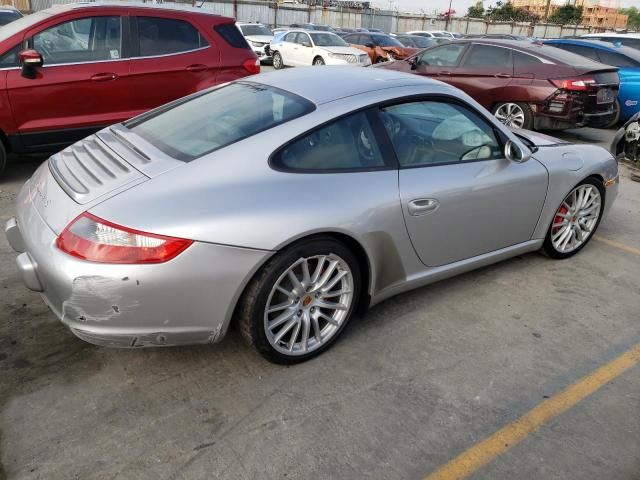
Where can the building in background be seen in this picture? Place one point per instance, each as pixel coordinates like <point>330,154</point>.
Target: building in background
<point>595,13</point>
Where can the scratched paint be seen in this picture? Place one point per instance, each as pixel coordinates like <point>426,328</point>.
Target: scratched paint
<point>96,299</point>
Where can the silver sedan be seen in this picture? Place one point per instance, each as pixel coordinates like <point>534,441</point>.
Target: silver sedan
<point>286,203</point>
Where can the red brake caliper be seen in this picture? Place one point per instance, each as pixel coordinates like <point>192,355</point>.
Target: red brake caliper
<point>558,219</point>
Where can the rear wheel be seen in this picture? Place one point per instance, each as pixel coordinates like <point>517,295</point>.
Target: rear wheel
<point>300,301</point>
<point>516,115</point>
<point>277,61</point>
<point>318,61</point>
<point>616,115</point>
<point>575,220</point>
<point>3,158</point>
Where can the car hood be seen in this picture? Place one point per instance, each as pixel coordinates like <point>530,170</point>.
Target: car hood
<point>259,38</point>
<point>343,50</point>
<point>539,139</point>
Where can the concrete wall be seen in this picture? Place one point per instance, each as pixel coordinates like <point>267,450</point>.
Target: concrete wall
<point>274,14</point>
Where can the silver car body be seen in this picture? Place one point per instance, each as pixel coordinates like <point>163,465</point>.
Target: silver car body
<point>240,212</point>
<point>257,42</point>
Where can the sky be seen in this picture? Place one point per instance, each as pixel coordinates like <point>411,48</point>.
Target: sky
<point>460,6</point>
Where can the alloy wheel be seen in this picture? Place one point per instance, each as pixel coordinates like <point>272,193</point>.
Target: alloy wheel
<point>511,114</point>
<point>277,61</point>
<point>576,219</point>
<point>308,304</point>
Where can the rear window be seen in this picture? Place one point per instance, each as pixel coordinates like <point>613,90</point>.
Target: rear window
<point>217,118</point>
<point>231,35</point>
<point>8,17</point>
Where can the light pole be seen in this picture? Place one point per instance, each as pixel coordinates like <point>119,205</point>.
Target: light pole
<point>446,25</point>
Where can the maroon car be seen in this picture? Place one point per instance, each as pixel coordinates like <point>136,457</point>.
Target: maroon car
<point>524,84</point>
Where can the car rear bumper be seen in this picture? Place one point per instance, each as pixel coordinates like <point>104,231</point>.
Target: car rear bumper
<point>187,300</point>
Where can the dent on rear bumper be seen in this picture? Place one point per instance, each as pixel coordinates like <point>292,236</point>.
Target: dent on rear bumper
<point>187,300</point>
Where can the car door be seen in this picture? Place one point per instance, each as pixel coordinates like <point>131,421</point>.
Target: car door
<point>460,197</point>
<point>485,70</point>
<point>304,49</point>
<point>171,56</point>
<point>82,84</point>
<point>286,46</point>
<point>440,62</point>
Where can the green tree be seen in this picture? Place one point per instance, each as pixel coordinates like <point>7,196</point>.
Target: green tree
<point>634,17</point>
<point>476,11</point>
<point>567,14</point>
<point>506,12</point>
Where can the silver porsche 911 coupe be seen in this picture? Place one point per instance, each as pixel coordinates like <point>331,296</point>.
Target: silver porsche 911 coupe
<point>286,202</point>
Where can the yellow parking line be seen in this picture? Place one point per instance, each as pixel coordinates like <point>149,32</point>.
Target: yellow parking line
<point>484,452</point>
<point>613,243</point>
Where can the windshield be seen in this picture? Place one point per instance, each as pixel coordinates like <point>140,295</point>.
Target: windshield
<point>8,17</point>
<point>322,28</point>
<point>248,30</point>
<point>441,35</point>
<point>217,118</point>
<point>10,29</point>
<point>328,40</point>
<point>415,41</point>
<point>385,41</point>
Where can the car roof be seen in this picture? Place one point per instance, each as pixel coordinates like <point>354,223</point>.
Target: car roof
<point>628,51</point>
<point>127,4</point>
<point>326,84</point>
<point>612,35</point>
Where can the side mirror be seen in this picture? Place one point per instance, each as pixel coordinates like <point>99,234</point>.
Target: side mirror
<point>306,44</point>
<point>514,153</point>
<point>30,60</point>
<point>413,61</point>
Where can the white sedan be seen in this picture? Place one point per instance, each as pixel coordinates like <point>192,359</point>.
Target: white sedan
<point>302,48</point>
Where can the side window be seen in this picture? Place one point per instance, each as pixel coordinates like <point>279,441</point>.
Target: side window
<point>10,59</point>
<point>164,36</point>
<point>303,38</point>
<point>485,56</point>
<point>444,56</point>
<point>229,34</point>
<point>616,59</point>
<point>83,40</point>
<point>290,37</point>
<point>434,132</point>
<point>524,63</point>
<point>345,144</point>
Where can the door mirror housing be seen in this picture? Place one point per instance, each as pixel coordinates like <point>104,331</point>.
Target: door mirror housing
<point>306,44</point>
<point>413,61</point>
<point>514,153</point>
<point>30,60</point>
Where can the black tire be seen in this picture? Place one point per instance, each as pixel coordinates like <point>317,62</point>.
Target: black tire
<point>318,61</point>
<point>277,61</point>
<point>252,305</point>
<point>526,110</point>
<point>548,248</point>
<point>616,115</point>
<point>3,158</point>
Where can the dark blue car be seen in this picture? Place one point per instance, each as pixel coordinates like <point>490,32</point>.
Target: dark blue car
<point>627,60</point>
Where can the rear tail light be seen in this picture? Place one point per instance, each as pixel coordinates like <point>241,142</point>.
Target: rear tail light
<point>91,238</point>
<point>251,65</point>
<point>579,84</point>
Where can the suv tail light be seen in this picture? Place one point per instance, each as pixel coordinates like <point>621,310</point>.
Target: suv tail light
<point>252,65</point>
<point>577,84</point>
<point>91,238</point>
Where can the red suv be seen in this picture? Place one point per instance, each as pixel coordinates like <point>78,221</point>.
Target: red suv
<point>70,70</point>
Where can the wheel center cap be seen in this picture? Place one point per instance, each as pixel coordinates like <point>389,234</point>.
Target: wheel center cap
<point>306,301</point>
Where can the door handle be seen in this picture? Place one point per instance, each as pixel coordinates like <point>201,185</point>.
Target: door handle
<point>502,75</point>
<point>444,72</point>
<point>422,206</point>
<point>103,77</point>
<point>196,68</point>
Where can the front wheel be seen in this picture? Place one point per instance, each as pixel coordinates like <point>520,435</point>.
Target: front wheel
<point>277,61</point>
<point>3,158</point>
<point>300,301</point>
<point>575,220</point>
<point>516,115</point>
<point>318,61</point>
